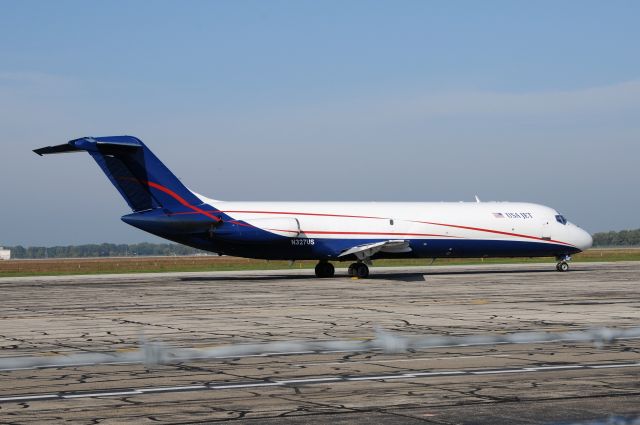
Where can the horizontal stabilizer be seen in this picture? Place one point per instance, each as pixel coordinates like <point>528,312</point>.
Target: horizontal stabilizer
<point>57,149</point>
<point>124,145</point>
<point>368,250</point>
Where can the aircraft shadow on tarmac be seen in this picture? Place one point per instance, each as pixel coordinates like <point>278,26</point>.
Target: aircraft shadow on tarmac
<point>409,276</point>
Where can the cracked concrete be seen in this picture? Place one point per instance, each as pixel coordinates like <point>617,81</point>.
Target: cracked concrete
<point>98,313</point>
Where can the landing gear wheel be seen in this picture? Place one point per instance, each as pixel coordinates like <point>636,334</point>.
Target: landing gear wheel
<point>352,269</point>
<point>325,269</point>
<point>562,266</point>
<point>361,270</point>
<point>331,271</point>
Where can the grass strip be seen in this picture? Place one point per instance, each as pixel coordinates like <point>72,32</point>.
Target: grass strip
<point>56,267</point>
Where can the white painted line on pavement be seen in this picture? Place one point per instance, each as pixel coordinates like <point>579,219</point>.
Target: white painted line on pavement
<point>302,381</point>
<point>231,386</point>
<point>541,368</point>
<point>443,373</point>
<point>29,397</point>
<point>114,393</point>
<point>320,380</point>
<point>162,389</point>
<point>491,372</point>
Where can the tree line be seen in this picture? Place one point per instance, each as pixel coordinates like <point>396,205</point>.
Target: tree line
<point>603,239</point>
<point>620,238</point>
<point>104,250</point>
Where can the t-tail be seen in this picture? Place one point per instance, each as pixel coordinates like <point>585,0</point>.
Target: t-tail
<point>161,204</point>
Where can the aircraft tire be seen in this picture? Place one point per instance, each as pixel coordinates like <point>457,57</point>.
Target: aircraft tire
<point>562,266</point>
<point>325,269</point>
<point>330,270</point>
<point>352,269</point>
<point>362,271</point>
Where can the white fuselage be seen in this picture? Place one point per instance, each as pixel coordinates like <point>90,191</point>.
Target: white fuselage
<point>500,221</point>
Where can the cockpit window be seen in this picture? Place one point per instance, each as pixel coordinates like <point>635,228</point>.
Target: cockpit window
<point>560,219</point>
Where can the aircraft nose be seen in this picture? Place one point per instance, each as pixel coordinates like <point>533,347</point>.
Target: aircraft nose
<point>583,239</point>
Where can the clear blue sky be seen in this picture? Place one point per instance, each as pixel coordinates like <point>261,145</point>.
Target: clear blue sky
<point>321,100</point>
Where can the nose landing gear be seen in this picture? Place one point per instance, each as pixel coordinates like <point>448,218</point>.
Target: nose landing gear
<point>563,263</point>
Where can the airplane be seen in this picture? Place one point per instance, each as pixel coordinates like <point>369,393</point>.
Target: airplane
<point>324,231</point>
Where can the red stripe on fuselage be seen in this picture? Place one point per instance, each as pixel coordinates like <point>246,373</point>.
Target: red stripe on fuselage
<point>478,229</point>
<point>499,232</point>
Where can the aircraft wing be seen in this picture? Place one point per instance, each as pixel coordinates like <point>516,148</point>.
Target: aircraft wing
<point>365,251</point>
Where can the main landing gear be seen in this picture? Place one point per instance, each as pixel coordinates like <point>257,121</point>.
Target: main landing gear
<point>359,270</point>
<point>563,263</point>
<point>325,269</point>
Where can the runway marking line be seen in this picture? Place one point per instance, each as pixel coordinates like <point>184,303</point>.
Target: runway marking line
<point>29,397</point>
<point>163,389</point>
<point>490,372</point>
<point>381,377</point>
<point>444,373</point>
<point>231,386</point>
<point>302,381</point>
<point>104,394</point>
<point>541,368</point>
<point>320,380</point>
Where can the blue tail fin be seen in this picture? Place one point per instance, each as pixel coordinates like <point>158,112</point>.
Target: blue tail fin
<point>142,180</point>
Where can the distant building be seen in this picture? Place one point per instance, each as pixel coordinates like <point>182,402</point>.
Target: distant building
<point>5,254</point>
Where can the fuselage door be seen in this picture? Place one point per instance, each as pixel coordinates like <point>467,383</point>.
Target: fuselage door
<point>546,231</point>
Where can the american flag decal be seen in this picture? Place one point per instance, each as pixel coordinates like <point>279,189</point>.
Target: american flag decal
<point>498,215</point>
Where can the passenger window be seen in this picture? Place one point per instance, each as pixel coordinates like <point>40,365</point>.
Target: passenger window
<point>560,219</point>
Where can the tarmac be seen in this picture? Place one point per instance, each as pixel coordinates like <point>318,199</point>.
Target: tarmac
<point>496,384</point>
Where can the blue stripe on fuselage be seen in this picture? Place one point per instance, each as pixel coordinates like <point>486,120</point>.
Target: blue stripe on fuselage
<point>324,248</point>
